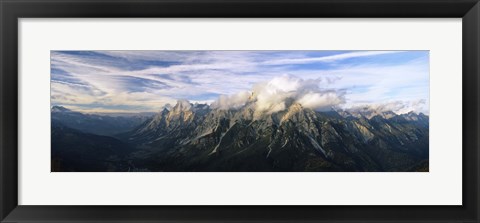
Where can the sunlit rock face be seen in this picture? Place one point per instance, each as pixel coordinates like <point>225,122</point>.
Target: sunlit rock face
<point>199,137</point>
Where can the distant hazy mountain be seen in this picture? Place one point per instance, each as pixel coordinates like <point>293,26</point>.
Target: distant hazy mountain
<point>196,137</point>
<point>100,124</point>
<point>73,150</point>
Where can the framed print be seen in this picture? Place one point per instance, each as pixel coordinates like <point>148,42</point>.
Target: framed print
<point>239,111</point>
<point>261,111</point>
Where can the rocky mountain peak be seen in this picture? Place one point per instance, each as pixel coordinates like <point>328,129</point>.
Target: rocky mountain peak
<point>412,116</point>
<point>201,137</point>
<point>182,105</point>
<point>164,111</point>
<point>58,108</point>
<point>294,110</point>
<point>368,113</point>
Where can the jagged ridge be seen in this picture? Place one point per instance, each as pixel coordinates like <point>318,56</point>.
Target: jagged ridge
<point>196,137</point>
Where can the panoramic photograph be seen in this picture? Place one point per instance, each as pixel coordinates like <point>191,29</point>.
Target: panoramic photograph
<point>239,111</point>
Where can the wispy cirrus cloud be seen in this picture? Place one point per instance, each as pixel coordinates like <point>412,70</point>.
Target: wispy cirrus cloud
<point>330,58</point>
<point>147,80</point>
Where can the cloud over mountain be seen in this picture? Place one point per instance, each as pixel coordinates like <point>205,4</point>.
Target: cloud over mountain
<point>277,94</point>
<point>399,107</point>
<point>133,81</point>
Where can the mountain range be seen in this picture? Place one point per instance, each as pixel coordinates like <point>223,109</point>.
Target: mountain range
<point>100,124</point>
<point>203,138</point>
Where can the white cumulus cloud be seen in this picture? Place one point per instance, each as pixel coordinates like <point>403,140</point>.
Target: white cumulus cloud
<point>234,101</point>
<point>280,92</point>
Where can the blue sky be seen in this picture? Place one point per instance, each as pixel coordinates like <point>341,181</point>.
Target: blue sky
<point>134,81</point>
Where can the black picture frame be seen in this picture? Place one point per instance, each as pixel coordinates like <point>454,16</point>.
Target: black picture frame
<point>12,10</point>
